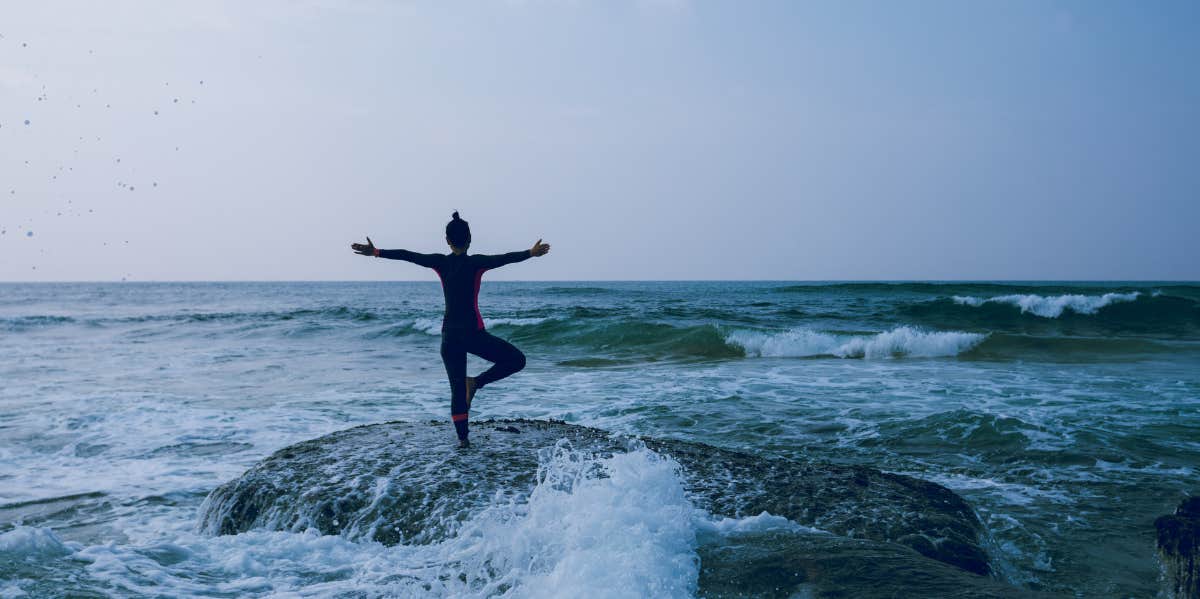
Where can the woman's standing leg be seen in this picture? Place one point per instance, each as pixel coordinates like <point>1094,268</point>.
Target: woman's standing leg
<point>454,356</point>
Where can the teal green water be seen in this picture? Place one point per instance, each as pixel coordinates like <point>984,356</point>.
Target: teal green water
<point>1067,414</point>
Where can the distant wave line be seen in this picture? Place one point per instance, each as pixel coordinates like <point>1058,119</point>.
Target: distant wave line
<point>1051,306</point>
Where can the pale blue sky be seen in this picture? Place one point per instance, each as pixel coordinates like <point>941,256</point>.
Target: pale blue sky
<point>643,139</point>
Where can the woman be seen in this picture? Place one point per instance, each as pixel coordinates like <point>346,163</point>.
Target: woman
<point>462,325</point>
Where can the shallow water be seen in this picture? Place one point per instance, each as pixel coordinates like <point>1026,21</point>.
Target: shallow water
<point>1068,415</point>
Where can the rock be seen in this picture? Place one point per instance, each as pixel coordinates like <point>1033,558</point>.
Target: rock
<point>401,482</point>
<point>851,501</point>
<point>1179,549</point>
<point>782,564</point>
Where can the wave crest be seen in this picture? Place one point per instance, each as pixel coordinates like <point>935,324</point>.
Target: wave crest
<point>899,342</point>
<point>1051,306</point>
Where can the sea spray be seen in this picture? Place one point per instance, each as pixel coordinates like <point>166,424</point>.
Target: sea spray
<point>620,526</point>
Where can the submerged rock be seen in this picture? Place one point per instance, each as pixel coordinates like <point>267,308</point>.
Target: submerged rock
<point>405,483</point>
<point>1179,549</point>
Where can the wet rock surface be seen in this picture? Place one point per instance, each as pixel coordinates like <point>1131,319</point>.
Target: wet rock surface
<point>786,565</point>
<point>1179,549</point>
<point>403,482</point>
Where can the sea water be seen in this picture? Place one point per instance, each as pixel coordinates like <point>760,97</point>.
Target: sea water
<point>1067,415</point>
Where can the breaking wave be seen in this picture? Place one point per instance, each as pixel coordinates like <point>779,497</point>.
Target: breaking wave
<point>1107,314</point>
<point>898,342</point>
<point>1053,306</point>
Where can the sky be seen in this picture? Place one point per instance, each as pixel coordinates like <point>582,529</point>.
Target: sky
<point>665,139</point>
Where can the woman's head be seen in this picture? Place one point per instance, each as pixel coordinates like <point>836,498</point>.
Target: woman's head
<point>458,232</point>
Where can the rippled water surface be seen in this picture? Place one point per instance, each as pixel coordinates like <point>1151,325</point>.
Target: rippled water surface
<point>1067,414</point>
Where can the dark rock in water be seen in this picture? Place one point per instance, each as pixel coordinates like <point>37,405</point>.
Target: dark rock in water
<point>1179,549</point>
<point>851,501</point>
<point>402,482</point>
<point>785,564</point>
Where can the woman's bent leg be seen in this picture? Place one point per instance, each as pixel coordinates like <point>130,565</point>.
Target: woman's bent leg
<point>506,358</point>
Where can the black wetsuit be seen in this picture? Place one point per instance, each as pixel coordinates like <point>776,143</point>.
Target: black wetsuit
<point>462,326</point>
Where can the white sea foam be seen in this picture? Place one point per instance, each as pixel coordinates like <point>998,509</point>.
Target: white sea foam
<point>1051,306</point>
<point>516,322</point>
<point>621,524</point>
<point>433,326</point>
<point>11,589</point>
<point>764,522</point>
<point>898,342</point>
<point>26,541</point>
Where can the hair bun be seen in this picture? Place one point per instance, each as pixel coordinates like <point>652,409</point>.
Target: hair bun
<point>455,215</point>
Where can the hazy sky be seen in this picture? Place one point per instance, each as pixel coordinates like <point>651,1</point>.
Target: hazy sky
<point>643,139</point>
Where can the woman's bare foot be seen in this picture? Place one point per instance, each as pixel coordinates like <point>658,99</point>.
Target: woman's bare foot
<point>470,390</point>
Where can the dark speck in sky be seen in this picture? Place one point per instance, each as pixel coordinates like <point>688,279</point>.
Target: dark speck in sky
<point>29,233</point>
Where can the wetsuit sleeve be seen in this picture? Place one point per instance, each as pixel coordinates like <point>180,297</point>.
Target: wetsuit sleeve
<point>498,260</point>
<point>426,260</point>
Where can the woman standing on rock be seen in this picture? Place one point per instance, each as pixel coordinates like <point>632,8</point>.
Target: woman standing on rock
<point>462,326</point>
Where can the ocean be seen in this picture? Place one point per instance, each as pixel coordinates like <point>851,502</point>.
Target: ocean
<point>1066,414</point>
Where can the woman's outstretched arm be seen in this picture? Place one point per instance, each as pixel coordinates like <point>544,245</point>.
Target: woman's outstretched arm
<point>369,249</point>
<point>498,260</point>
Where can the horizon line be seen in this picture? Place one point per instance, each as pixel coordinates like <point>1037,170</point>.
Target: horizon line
<point>164,281</point>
